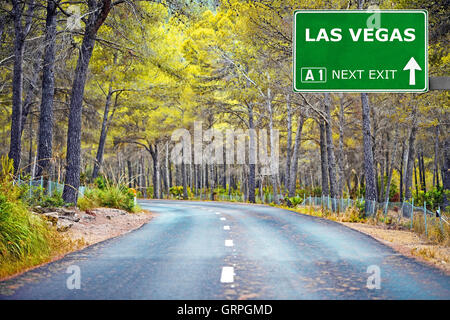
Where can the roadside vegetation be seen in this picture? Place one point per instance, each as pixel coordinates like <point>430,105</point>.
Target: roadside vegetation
<point>26,239</point>
<point>105,194</point>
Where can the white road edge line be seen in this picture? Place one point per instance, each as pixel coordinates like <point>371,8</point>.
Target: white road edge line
<point>226,227</point>
<point>227,275</point>
<point>217,212</point>
<point>229,243</point>
<point>223,219</point>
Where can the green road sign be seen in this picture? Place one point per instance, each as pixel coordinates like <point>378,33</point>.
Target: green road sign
<point>360,51</point>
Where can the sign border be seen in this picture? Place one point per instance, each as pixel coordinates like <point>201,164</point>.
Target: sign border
<point>423,11</point>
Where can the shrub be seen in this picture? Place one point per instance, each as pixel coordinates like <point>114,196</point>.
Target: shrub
<point>111,196</point>
<point>100,182</point>
<point>176,191</point>
<point>433,197</point>
<point>39,197</point>
<point>293,201</point>
<point>353,215</point>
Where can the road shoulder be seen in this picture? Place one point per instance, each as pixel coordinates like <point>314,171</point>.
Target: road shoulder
<point>407,243</point>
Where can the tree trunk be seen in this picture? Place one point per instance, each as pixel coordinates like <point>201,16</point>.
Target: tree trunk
<point>446,174</point>
<point>391,167</point>
<point>156,172</point>
<point>183,178</point>
<point>130,174</point>
<point>323,158</point>
<point>273,172</point>
<point>103,133</point>
<point>252,156</point>
<point>402,161</point>
<point>294,164</point>
<point>369,172</point>
<point>411,156</point>
<point>341,149</point>
<point>211,181</point>
<point>30,150</point>
<point>330,147</point>
<point>99,11</point>
<point>20,32</point>
<point>381,193</point>
<point>423,181</point>
<point>48,91</point>
<point>289,143</point>
<point>415,179</point>
<point>436,156</point>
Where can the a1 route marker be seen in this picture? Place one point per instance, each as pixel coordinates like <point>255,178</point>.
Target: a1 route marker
<point>360,51</point>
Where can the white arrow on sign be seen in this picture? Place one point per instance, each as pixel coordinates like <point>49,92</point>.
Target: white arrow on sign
<point>412,66</point>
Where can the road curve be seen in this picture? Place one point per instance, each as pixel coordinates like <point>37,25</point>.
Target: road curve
<point>214,250</point>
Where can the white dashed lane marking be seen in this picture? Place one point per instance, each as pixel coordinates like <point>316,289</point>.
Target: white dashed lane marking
<point>223,219</point>
<point>226,227</point>
<point>227,275</point>
<point>229,243</point>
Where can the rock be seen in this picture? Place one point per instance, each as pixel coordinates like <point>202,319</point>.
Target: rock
<point>43,210</point>
<point>63,226</point>
<point>39,209</point>
<point>88,217</point>
<point>66,212</point>
<point>51,217</point>
<point>90,212</point>
<point>73,218</point>
<point>108,217</point>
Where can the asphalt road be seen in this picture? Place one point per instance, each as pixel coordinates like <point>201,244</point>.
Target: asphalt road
<point>212,250</point>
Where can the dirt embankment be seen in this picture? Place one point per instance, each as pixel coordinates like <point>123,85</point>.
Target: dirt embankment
<point>103,223</point>
<point>407,243</point>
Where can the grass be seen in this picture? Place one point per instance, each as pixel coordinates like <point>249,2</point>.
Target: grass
<point>26,239</point>
<point>110,196</point>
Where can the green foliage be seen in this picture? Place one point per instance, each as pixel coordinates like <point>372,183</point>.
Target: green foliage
<point>293,201</point>
<point>360,205</point>
<point>21,233</point>
<point>316,192</point>
<point>150,191</point>
<point>221,191</point>
<point>25,238</point>
<point>39,197</point>
<point>100,182</point>
<point>433,198</point>
<point>176,191</point>
<point>111,196</point>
